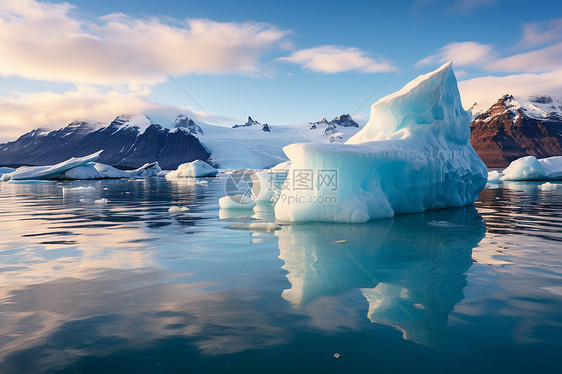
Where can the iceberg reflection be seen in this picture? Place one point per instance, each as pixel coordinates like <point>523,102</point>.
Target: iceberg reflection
<point>411,269</point>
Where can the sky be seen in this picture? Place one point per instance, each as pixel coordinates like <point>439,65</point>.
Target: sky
<point>280,62</point>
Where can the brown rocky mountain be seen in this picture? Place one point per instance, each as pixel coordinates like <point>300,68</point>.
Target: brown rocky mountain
<point>514,128</point>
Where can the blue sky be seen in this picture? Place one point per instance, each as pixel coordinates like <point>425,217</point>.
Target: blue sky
<point>281,62</point>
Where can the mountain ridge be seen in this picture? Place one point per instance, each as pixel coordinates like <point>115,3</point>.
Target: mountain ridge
<point>515,127</point>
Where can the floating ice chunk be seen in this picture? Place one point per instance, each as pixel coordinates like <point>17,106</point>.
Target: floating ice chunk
<point>96,170</point>
<point>49,171</point>
<point>4,170</point>
<point>236,202</point>
<point>178,210</point>
<point>101,201</point>
<point>80,168</point>
<point>414,154</point>
<point>531,168</point>
<point>193,169</point>
<point>547,186</point>
<point>68,190</point>
<point>493,176</point>
<point>24,181</point>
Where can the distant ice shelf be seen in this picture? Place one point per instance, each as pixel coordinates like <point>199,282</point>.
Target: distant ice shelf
<point>79,168</point>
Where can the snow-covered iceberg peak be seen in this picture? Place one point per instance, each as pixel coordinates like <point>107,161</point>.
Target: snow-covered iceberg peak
<point>429,106</point>
<point>414,154</point>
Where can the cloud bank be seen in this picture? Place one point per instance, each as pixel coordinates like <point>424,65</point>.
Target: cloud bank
<point>44,41</point>
<point>332,59</point>
<point>535,71</point>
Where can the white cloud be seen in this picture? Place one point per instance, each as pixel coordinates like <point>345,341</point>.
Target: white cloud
<point>22,112</point>
<point>483,56</point>
<point>487,90</point>
<point>533,72</point>
<point>336,59</point>
<point>538,33</point>
<point>45,41</point>
<point>461,53</point>
<point>542,60</point>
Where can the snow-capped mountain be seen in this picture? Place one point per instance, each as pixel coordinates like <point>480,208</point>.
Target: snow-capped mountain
<point>331,129</point>
<point>130,141</point>
<point>252,123</point>
<point>514,127</point>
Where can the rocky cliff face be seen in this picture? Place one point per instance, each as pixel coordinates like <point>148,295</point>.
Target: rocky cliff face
<point>517,127</point>
<point>125,143</point>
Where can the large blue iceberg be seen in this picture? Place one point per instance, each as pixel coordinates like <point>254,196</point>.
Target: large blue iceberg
<point>414,154</point>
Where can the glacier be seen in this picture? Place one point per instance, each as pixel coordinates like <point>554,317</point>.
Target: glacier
<point>531,168</point>
<point>193,169</point>
<point>80,168</point>
<point>414,154</point>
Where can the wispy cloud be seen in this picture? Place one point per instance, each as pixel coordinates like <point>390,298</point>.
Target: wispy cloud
<point>23,111</point>
<point>484,57</point>
<point>45,41</point>
<point>537,71</point>
<point>488,89</point>
<point>458,7</point>
<point>538,33</point>
<point>332,59</point>
<point>462,53</point>
<point>469,6</point>
<point>541,60</point>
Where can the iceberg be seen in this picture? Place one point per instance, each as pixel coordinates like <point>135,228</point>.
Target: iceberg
<point>493,176</point>
<point>414,154</point>
<point>531,168</point>
<point>80,168</point>
<point>4,170</point>
<point>96,170</point>
<point>49,171</point>
<point>193,169</point>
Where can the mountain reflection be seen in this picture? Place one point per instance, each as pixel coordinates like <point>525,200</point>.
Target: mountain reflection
<point>411,269</point>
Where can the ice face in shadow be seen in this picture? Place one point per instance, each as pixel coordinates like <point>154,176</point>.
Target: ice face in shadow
<point>410,269</point>
<point>414,154</point>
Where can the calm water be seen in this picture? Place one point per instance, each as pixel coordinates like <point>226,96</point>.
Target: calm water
<point>129,287</point>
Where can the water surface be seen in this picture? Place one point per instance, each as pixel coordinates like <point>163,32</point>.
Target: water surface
<point>130,287</point>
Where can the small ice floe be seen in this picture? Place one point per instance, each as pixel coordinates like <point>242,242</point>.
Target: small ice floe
<point>337,355</point>
<point>493,177</point>
<point>69,190</point>
<point>236,202</point>
<point>202,183</point>
<point>178,210</point>
<point>101,201</point>
<point>27,181</point>
<point>197,168</point>
<point>547,186</point>
<point>530,168</point>
<point>340,242</point>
